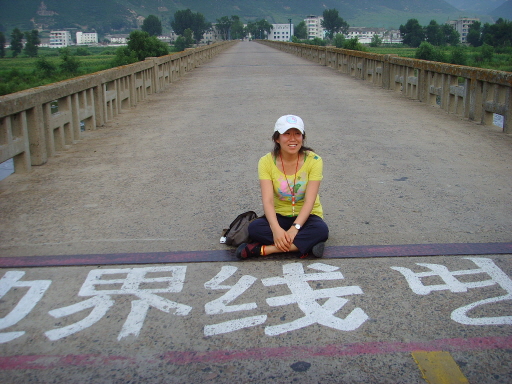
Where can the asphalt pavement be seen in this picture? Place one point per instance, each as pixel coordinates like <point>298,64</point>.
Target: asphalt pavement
<point>151,191</point>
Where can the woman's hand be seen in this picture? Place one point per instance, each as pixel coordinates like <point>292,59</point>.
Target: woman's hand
<point>292,232</point>
<point>282,239</point>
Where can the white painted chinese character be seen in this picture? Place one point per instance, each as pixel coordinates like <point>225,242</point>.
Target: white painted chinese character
<point>306,298</point>
<point>219,305</point>
<point>485,266</point>
<point>131,284</point>
<point>36,290</point>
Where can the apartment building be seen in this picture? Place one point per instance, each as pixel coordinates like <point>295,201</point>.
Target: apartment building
<point>314,26</point>
<point>365,35</point>
<point>83,38</point>
<point>462,25</point>
<point>118,39</point>
<point>281,32</point>
<point>60,39</point>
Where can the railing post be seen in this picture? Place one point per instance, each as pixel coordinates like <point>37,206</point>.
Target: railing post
<point>387,73</point>
<point>507,116</point>
<point>36,136</point>
<point>99,105</point>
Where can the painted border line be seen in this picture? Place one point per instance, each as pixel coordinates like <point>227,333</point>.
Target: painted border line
<point>38,362</point>
<point>335,252</point>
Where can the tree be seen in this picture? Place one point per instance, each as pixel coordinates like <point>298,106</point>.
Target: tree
<point>474,34</point>
<point>449,35</point>
<point>376,41</point>
<point>498,34</point>
<point>412,33</point>
<point>433,33</point>
<point>16,42</point>
<point>152,25</point>
<point>2,45</point>
<point>199,26</point>
<point>186,19</point>
<point>333,23</point>
<point>237,28</point>
<point>301,31</point>
<point>230,28</point>
<point>182,20</point>
<point>185,41</point>
<point>223,26</point>
<point>144,45</point>
<point>32,43</point>
<point>259,29</point>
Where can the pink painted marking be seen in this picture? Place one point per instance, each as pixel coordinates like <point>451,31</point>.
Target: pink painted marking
<point>36,362</point>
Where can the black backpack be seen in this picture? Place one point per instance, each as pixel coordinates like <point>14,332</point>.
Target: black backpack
<point>238,231</point>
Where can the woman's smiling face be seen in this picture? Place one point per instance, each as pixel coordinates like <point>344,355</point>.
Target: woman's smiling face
<point>290,141</point>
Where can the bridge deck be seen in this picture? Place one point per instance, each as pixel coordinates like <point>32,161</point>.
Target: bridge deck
<point>168,175</point>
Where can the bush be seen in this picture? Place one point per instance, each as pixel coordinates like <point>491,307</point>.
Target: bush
<point>124,56</point>
<point>338,40</point>
<point>354,45</point>
<point>146,46</point>
<point>45,68</point>
<point>459,56</point>
<point>82,51</point>
<point>427,51</point>
<point>318,41</point>
<point>181,44</point>
<point>69,63</point>
<point>487,52</point>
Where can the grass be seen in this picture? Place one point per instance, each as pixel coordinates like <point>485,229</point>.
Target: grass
<point>17,74</point>
<point>501,61</point>
<point>20,73</point>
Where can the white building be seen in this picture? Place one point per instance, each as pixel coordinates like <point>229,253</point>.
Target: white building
<point>281,32</point>
<point>314,27</point>
<point>60,39</point>
<point>210,36</point>
<point>120,39</point>
<point>462,25</point>
<point>83,38</point>
<point>365,35</point>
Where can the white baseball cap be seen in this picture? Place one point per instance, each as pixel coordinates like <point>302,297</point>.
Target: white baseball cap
<point>287,122</point>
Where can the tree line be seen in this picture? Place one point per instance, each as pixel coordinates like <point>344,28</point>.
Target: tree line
<point>495,35</point>
<point>32,42</point>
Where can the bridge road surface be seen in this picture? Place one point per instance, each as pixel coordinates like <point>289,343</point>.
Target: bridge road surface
<point>147,195</point>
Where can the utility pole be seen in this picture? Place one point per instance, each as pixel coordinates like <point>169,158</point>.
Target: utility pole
<point>290,21</point>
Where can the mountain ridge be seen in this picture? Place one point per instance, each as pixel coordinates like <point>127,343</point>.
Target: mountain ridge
<point>111,15</point>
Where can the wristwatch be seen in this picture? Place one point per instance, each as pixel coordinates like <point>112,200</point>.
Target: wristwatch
<point>298,226</point>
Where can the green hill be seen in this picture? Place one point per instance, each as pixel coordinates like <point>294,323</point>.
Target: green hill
<point>107,15</point>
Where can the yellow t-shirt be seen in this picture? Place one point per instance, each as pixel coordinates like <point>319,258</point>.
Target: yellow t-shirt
<point>310,170</point>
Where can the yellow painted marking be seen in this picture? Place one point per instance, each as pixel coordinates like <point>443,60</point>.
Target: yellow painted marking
<point>439,367</point>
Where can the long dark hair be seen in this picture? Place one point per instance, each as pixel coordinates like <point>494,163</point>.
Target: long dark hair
<point>277,146</point>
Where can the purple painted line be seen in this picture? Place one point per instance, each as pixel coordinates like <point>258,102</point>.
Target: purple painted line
<point>409,250</point>
<point>38,362</point>
<point>337,252</point>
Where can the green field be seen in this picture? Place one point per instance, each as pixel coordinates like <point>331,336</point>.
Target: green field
<point>501,60</point>
<point>17,74</point>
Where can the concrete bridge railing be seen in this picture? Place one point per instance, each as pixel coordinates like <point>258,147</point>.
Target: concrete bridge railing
<point>473,93</point>
<point>38,122</point>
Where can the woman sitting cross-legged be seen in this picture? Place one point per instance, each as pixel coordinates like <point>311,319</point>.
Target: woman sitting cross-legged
<point>290,178</point>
